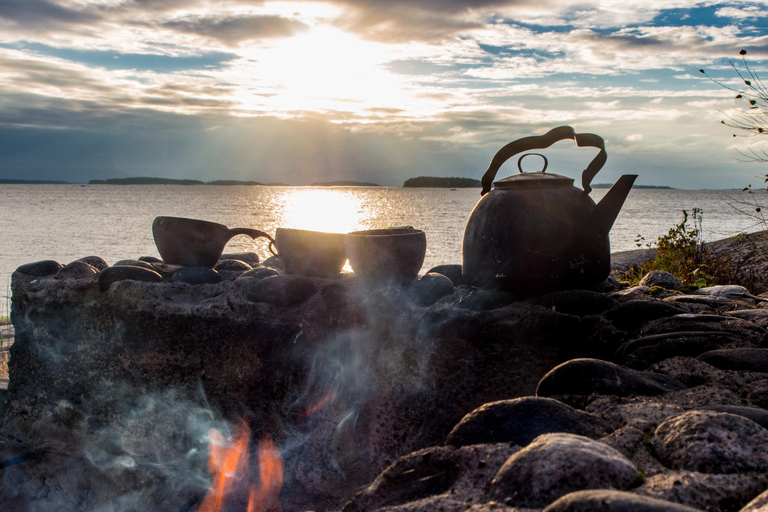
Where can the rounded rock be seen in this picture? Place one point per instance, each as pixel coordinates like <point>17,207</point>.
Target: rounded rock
<point>661,278</point>
<point>232,265</point>
<point>595,377</point>
<point>150,259</point>
<point>196,275</point>
<point>134,263</point>
<point>76,270</point>
<point>251,258</point>
<point>712,442</point>
<point>95,261</point>
<point>282,290</point>
<point>521,420</point>
<point>633,314</point>
<point>604,500</point>
<point>431,288</point>
<point>111,275</point>
<point>554,465</point>
<point>259,273</point>
<point>738,359</point>
<point>40,268</point>
<point>452,272</point>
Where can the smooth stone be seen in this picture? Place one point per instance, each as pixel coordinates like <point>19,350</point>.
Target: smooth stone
<point>660,278</point>
<point>642,352</point>
<point>251,258</point>
<point>756,414</point>
<point>596,377</point>
<point>452,272</point>
<point>519,421</point>
<point>554,465</point>
<point>484,299</point>
<point>712,442</point>
<point>606,500</point>
<point>705,300</point>
<point>274,262</point>
<point>758,316</point>
<point>575,302</point>
<point>721,493</point>
<point>232,265</point>
<point>259,273</point>
<point>631,315</point>
<point>431,288</point>
<point>111,275</point>
<point>95,261</point>
<point>724,290</point>
<point>150,259</point>
<point>196,275</point>
<point>419,475</point>
<point>134,263</point>
<point>40,268</point>
<point>631,293</point>
<point>694,322</point>
<point>738,359</point>
<point>282,290</point>
<point>76,270</point>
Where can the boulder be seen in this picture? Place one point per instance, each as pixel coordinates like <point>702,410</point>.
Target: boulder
<point>632,314</point>
<point>596,377</point>
<point>554,465</point>
<point>76,270</point>
<point>430,288</point>
<point>282,290</point>
<point>642,352</point>
<point>251,258</point>
<point>232,265</point>
<point>712,442</point>
<point>40,268</point>
<point>134,263</point>
<point>452,272</point>
<point>111,275</point>
<point>744,359</point>
<point>95,261</point>
<point>606,500</point>
<point>716,493</point>
<point>519,421</point>
<point>196,275</point>
<point>661,278</point>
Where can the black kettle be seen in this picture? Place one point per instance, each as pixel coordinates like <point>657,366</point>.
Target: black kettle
<point>536,232</point>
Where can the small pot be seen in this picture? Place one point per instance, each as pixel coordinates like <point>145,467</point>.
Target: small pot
<point>387,255</point>
<point>195,243</point>
<point>310,253</point>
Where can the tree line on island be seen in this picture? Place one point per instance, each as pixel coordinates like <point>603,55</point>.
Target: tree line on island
<point>419,182</point>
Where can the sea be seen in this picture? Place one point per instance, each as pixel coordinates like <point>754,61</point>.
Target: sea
<point>67,222</point>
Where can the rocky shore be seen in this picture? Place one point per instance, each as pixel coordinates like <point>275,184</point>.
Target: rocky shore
<point>643,399</point>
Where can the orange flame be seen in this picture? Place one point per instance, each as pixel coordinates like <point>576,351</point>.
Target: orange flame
<point>228,463</point>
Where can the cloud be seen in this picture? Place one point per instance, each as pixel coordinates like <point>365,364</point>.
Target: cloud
<point>42,13</point>
<point>233,30</point>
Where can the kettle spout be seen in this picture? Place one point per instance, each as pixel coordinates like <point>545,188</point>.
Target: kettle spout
<point>608,208</point>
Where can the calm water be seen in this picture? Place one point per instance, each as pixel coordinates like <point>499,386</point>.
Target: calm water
<point>67,222</point>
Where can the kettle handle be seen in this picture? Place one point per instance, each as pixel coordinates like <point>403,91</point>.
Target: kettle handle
<point>544,141</point>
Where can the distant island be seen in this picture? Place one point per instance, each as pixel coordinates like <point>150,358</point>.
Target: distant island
<point>33,182</point>
<point>430,181</point>
<point>344,184</point>
<point>609,185</point>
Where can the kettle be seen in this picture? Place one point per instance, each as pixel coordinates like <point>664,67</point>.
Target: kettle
<point>535,232</point>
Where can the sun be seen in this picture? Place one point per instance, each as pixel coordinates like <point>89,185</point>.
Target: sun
<point>324,69</point>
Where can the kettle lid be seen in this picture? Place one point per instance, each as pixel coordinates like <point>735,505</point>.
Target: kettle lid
<point>534,179</point>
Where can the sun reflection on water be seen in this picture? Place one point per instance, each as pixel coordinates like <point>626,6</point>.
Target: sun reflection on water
<point>330,210</point>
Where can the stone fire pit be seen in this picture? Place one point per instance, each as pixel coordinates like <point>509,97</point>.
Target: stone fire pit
<point>385,396</point>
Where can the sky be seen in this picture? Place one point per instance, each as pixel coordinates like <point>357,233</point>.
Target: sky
<point>376,91</point>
